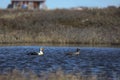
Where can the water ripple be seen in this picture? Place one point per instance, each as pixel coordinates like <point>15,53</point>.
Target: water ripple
<point>90,61</point>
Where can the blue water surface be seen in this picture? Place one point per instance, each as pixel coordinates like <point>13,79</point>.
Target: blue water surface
<point>92,60</point>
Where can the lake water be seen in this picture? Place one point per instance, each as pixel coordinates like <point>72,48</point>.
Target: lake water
<point>95,60</point>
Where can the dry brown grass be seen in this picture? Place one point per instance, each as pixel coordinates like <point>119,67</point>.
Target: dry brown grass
<point>61,26</point>
<point>59,75</point>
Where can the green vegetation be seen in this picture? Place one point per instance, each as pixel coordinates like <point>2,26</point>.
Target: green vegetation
<point>61,26</point>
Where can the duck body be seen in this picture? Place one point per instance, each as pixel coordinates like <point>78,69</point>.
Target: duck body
<point>32,53</point>
<point>36,53</point>
<point>40,53</point>
<point>77,52</point>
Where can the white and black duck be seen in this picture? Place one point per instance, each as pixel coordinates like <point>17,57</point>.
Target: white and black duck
<point>37,53</point>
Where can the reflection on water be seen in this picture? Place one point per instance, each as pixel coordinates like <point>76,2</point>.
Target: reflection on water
<point>92,60</point>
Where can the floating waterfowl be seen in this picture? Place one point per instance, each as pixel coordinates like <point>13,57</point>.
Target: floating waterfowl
<point>77,52</point>
<point>37,53</point>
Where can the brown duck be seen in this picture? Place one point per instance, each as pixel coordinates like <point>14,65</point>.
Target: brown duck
<point>77,52</point>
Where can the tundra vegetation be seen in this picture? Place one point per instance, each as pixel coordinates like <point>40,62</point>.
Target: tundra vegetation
<point>61,26</point>
<point>58,75</point>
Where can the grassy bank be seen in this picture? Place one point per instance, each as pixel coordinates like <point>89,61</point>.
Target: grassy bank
<point>59,75</point>
<point>61,26</point>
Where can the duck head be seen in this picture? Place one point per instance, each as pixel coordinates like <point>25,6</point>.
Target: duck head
<point>41,49</point>
<point>78,49</point>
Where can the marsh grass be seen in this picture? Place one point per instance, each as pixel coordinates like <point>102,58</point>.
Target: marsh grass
<point>61,26</point>
<point>59,75</point>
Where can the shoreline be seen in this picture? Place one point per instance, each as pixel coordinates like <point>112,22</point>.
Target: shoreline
<point>57,44</point>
